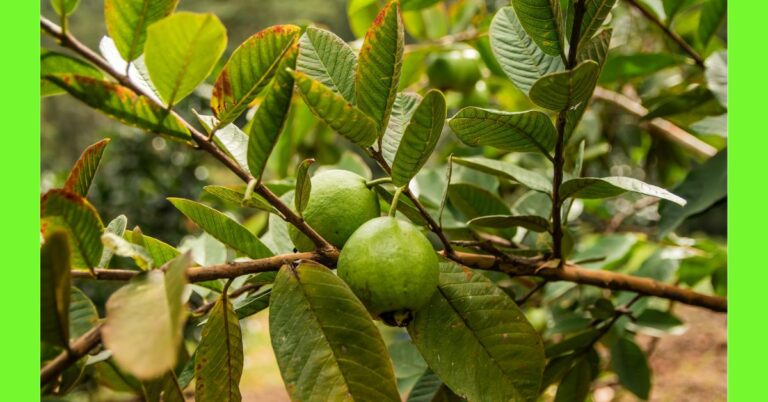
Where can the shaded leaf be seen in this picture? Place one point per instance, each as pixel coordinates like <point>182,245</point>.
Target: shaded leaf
<point>541,20</point>
<point>402,111</point>
<point>327,59</point>
<point>559,91</point>
<point>471,329</point>
<point>574,343</point>
<point>55,290</point>
<point>630,364</point>
<point>576,383</point>
<point>474,201</point>
<point>595,12</point>
<point>222,228</point>
<point>250,69</point>
<point>530,131</point>
<point>252,304</point>
<point>219,356</point>
<point>336,112</point>
<point>703,187</point>
<point>420,138</point>
<point>147,348</point>
<point>82,314</point>
<point>378,66</point>
<point>712,15</point>
<point>52,63</point>
<point>180,52</point>
<point>530,222</point>
<point>680,103</point>
<point>622,67</point>
<point>64,7</point>
<point>82,221</point>
<point>506,170</point>
<point>404,206</point>
<point>426,387</point>
<point>127,22</point>
<point>606,187</point>
<point>122,104</point>
<point>339,353</point>
<point>518,55</point>
<point>236,196</point>
<point>659,322</point>
<point>270,117</point>
<point>556,369</point>
<point>596,49</point>
<point>303,185</point>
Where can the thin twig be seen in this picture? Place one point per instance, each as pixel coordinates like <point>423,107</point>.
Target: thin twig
<point>669,32</point>
<point>77,349</point>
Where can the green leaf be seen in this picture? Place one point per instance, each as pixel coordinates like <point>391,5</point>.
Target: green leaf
<point>672,7</point>
<point>541,20</point>
<point>596,49</point>
<point>337,338</point>
<point>327,59</point>
<point>269,120</point>
<point>560,91</point>
<point>631,365</point>
<point>474,201</point>
<point>147,348</point>
<point>64,7</point>
<point>303,185</point>
<point>595,12</point>
<point>576,383</point>
<point>237,197</point>
<point>55,290</point>
<point>252,304</point>
<point>82,314</point>
<point>659,322</point>
<point>712,15</point>
<point>404,206</point>
<point>223,228</point>
<point>180,52</point>
<point>160,251</point>
<point>219,357</point>
<point>81,175</point>
<point>336,112</point>
<point>229,138</point>
<point>556,369</point>
<point>378,66</point>
<point>250,69</point>
<point>402,111</point>
<point>472,330</point>
<point>410,5</point>
<point>680,103</point>
<point>117,245</point>
<point>506,170</point>
<point>574,343</point>
<point>606,187</point>
<point>622,67</point>
<point>530,131</point>
<point>52,63</point>
<point>360,14</point>
<point>127,22</point>
<point>122,104</point>
<point>703,187</point>
<point>519,56</point>
<point>82,221</point>
<point>717,76</point>
<point>419,138</point>
<point>530,222</point>
<point>426,387</point>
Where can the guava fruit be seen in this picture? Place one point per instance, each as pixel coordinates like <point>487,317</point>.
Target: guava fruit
<point>458,70</point>
<point>339,203</point>
<point>391,267</point>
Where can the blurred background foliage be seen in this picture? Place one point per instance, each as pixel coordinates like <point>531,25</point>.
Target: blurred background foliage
<point>447,48</point>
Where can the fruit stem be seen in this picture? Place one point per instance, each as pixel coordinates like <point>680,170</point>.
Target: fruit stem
<point>395,199</point>
<point>380,180</point>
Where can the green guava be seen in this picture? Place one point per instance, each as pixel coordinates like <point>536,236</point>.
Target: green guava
<point>458,70</point>
<point>339,203</point>
<point>391,267</point>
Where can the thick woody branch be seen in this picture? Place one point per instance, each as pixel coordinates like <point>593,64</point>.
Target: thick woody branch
<point>79,348</point>
<point>658,126</point>
<point>201,140</point>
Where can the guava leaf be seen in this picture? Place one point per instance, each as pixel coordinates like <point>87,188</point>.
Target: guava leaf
<point>181,50</point>
<point>64,7</point>
<point>336,112</point>
<point>509,171</point>
<point>576,383</point>
<point>62,208</point>
<point>518,55</point>
<point>232,140</point>
<point>303,185</point>
<point>378,66</point>
<point>122,104</point>
<point>596,49</point>
<point>631,365</point>
<point>474,201</point>
<point>127,22</point>
<point>160,251</point>
<point>530,131</point>
<point>252,304</point>
<point>338,353</point>
<point>471,329</point>
<point>420,138</point>
<point>237,197</point>
<point>562,90</point>
<point>595,13</point>
<point>219,356</point>
<point>426,387</point>
<point>223,228</point>
<point>713,13</point>
<point>329,60</point>
<point>249,70</point>
<point>81,175</point>
<point>82,314</point>
<point>54,290</point>
<point>541,20</point>
<point>530,222</point>
<point>402,110</point>
<point>52,63</point>
<point>606,187</point>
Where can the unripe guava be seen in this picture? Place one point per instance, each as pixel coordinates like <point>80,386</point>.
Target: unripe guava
<point>339,203</point>
<point>458,70</point>
<point>391,267</point>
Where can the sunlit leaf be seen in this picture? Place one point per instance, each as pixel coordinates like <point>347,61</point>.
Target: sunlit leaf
<point>229,138</point>
<point>55,290</point>
<point>219,356</point>
<point>123,248</point>
<point>541,20</point>
<point>81,175</point>
<point>64,7</point>
<point>326,58</point>
<point>530,131</point>
<point>606,187</point>
<point>717,76</point>
<point>595,12</point>
<point>127,22</point>
<point>402,110</point>
<point>160,252</point>
<point>559,91</point>
<point>509,171</point>
<point>82,221</point>
<point>249,70</point>
<point>420,138</point>
<point>410,5</point>
<point>338,353</point>
<point>712,15</point>
<point>52,63</point>
<point>360,14</point>
<point>237,197</point>
<point>180,52</point>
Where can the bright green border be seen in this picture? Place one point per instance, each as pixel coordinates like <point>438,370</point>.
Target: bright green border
<point>20,167</point>
<point>747,176</point>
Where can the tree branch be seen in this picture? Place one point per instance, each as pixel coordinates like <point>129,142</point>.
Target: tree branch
<point>669,32</point>
<point>69,41</point>
<point>77,349</point>
<point>658,126</point>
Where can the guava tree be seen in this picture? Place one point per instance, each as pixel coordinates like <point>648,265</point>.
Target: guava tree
<point>480,227</point>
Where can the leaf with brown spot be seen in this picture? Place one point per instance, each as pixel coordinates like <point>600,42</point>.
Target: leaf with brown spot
<point>81,175</point>
<point>219,357</point>
<point>62,209</point>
